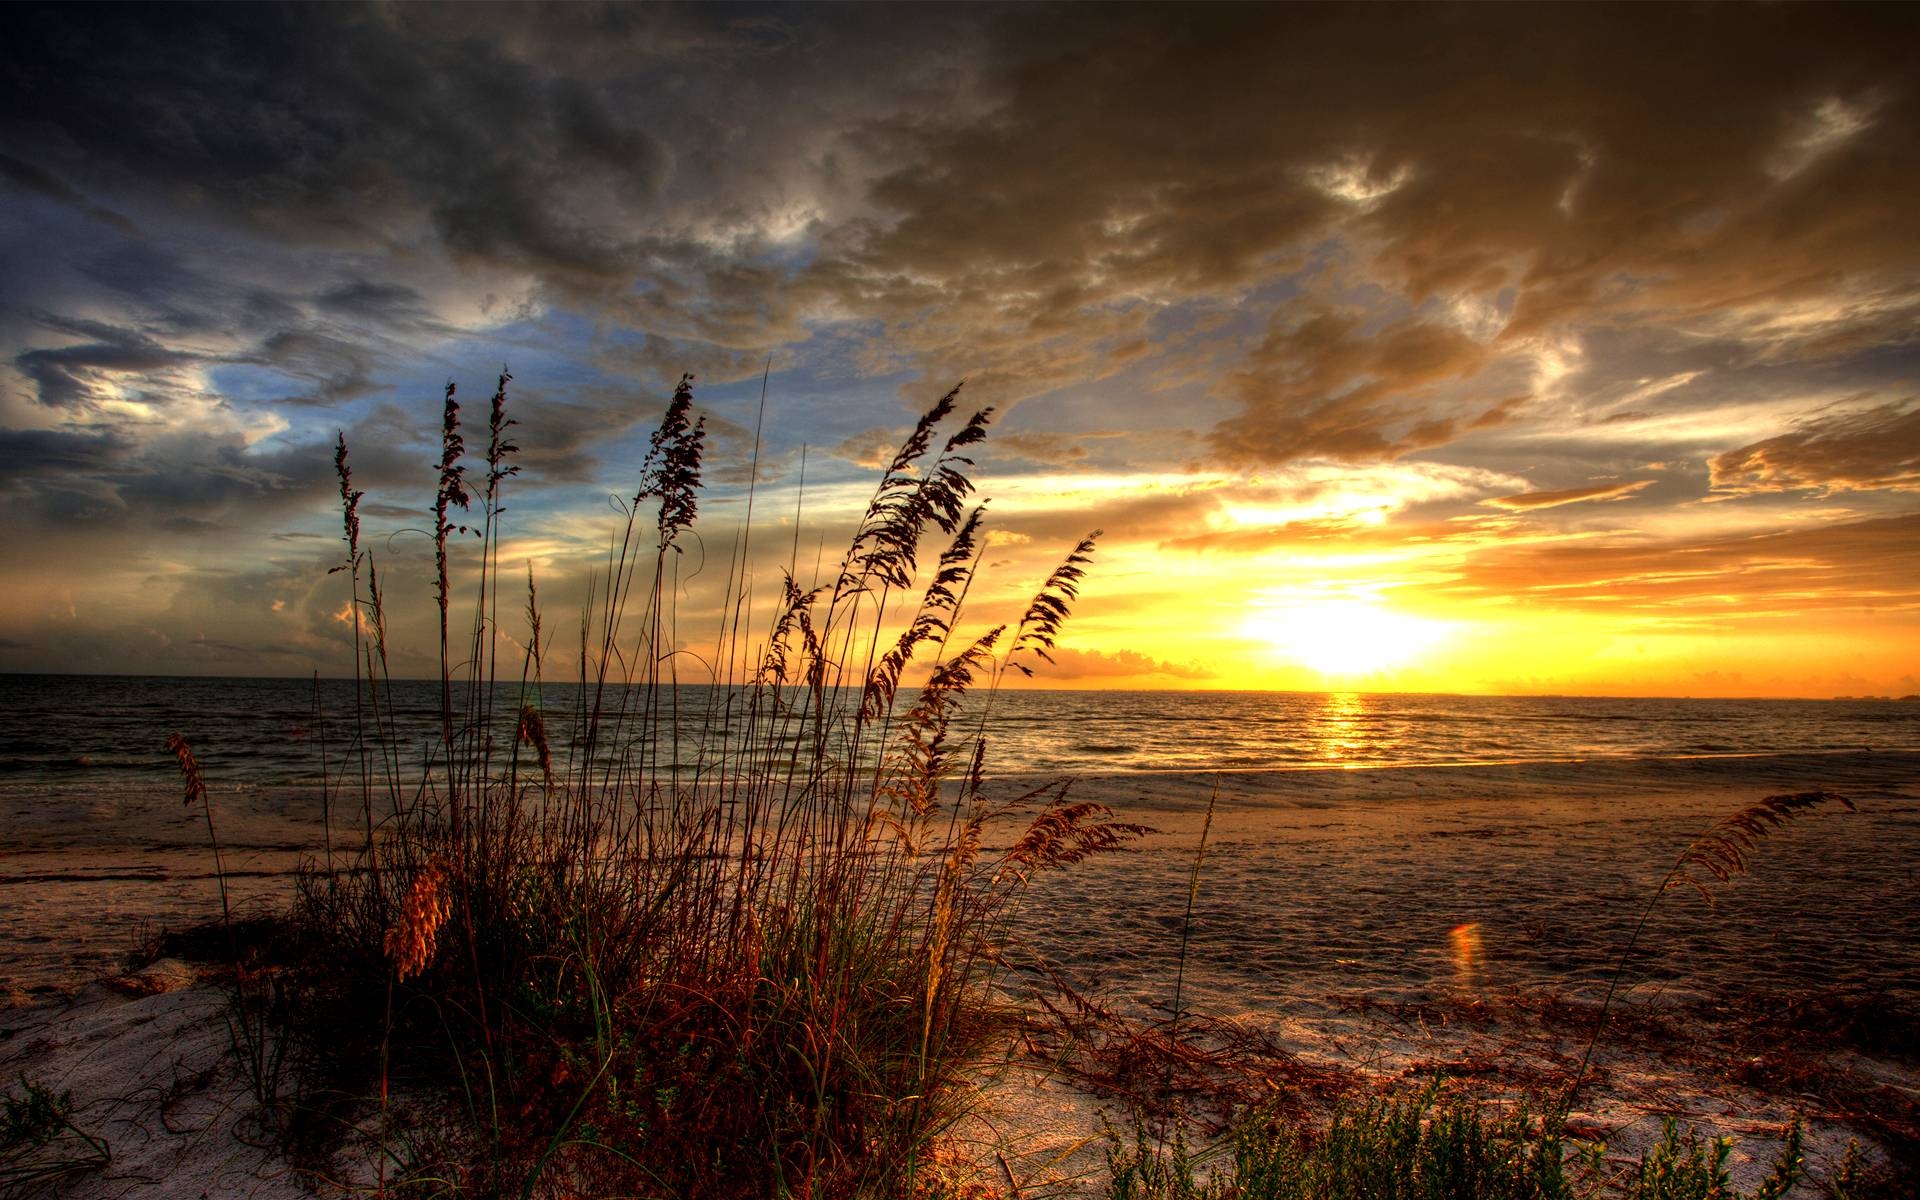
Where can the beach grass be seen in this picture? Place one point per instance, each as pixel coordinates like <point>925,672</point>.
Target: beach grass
<point>639,949</point>
<point>623,965</point>
<point>1722,852</point>
<point>40,1142</point>
<point>1425,1147</point>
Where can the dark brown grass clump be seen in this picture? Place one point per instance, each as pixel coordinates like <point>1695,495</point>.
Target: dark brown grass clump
<point>736,945</point>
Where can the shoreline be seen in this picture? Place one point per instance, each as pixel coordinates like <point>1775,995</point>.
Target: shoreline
<point>84,875</point>
<point>1324,951</point>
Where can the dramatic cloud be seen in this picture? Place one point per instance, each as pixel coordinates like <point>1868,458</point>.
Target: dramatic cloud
<point>30,178</point>
<point>1873,563</point>
<point>1319,391</point>
<point>1353,283</point>
<point>1532,500</point>
<point>1872,449</point>
<point>71,376</point>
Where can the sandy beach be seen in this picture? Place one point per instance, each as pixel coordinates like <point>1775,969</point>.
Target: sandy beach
<point>1353,881</point>
<point>1387,927</point>
<point>1353,931</point>
<point>548,536</point>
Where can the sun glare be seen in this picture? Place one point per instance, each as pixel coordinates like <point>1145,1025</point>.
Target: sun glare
<point>1344,638</point>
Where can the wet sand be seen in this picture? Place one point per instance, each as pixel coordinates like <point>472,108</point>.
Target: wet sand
<point>1395,925</point>
<point>87,875</point>
<point>1318,883</point>
<point>1387,926</point>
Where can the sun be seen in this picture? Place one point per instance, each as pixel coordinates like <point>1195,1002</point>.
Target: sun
<point>1343,638</point>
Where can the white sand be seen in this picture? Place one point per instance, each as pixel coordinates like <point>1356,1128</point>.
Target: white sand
<point>152,1076</point>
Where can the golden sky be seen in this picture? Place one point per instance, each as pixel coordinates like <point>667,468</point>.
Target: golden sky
<point>1485,348</point>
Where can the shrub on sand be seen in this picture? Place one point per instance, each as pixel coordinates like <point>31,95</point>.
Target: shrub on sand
<point>1421,1147</point>
<point>743,950</point>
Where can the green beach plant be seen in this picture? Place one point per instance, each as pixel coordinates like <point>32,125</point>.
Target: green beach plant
<point>734,940</point>
<point>1423,1146</point>
<point>1414,1147</point>
<point>40,1145</point>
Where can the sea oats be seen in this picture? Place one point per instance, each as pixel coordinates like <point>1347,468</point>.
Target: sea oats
<point>415,933</point>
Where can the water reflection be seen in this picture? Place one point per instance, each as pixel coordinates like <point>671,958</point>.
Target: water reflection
<point>109,730</point>
<point>1338,729</point>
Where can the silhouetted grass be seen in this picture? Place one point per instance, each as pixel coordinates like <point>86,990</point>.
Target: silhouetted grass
<point>760,965</point>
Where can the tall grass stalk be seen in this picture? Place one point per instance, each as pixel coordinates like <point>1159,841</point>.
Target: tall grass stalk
<point>742,947</point>
<point>1186,917</point>
<point>255,1006</point>
<point>1723,851</point>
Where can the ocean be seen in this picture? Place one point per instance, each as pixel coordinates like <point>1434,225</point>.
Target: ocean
<point>111,731</point>
<point>1355,830</point>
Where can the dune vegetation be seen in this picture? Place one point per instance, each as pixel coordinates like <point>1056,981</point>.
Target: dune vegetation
<point>746,940</point>
<point>757,964</point>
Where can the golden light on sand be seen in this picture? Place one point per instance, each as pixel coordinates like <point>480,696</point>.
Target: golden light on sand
<point>1466,951</point>
<point>1346,638</point>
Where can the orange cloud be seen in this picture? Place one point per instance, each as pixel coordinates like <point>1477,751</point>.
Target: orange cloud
<point>1075,664</point>
<point>1877,449</point>
<point>1856,564</point>
<point>1527,501</point>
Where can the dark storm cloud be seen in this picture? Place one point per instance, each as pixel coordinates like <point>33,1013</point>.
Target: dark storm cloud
<point>376,302</point>
<point>193,478</point>
<point>29,178</point>
<point>173,297</point>
<point>67,377</point>
<point>1709,162</point>
<point>1321,389</point>
<point>122,481</point>
<point>58,452</point>
<point>1878,448</point>
<point>331,123</point>
<point>1086,166</point>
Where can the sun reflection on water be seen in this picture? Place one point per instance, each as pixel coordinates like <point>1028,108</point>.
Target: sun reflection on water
<point>1338,729</point>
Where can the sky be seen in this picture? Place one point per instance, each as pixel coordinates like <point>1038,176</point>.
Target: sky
<point>1505,349</point>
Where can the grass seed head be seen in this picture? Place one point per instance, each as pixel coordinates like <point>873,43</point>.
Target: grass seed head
<point>196,786</point>
<point>1727,849</point>
<point>415,933</point>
